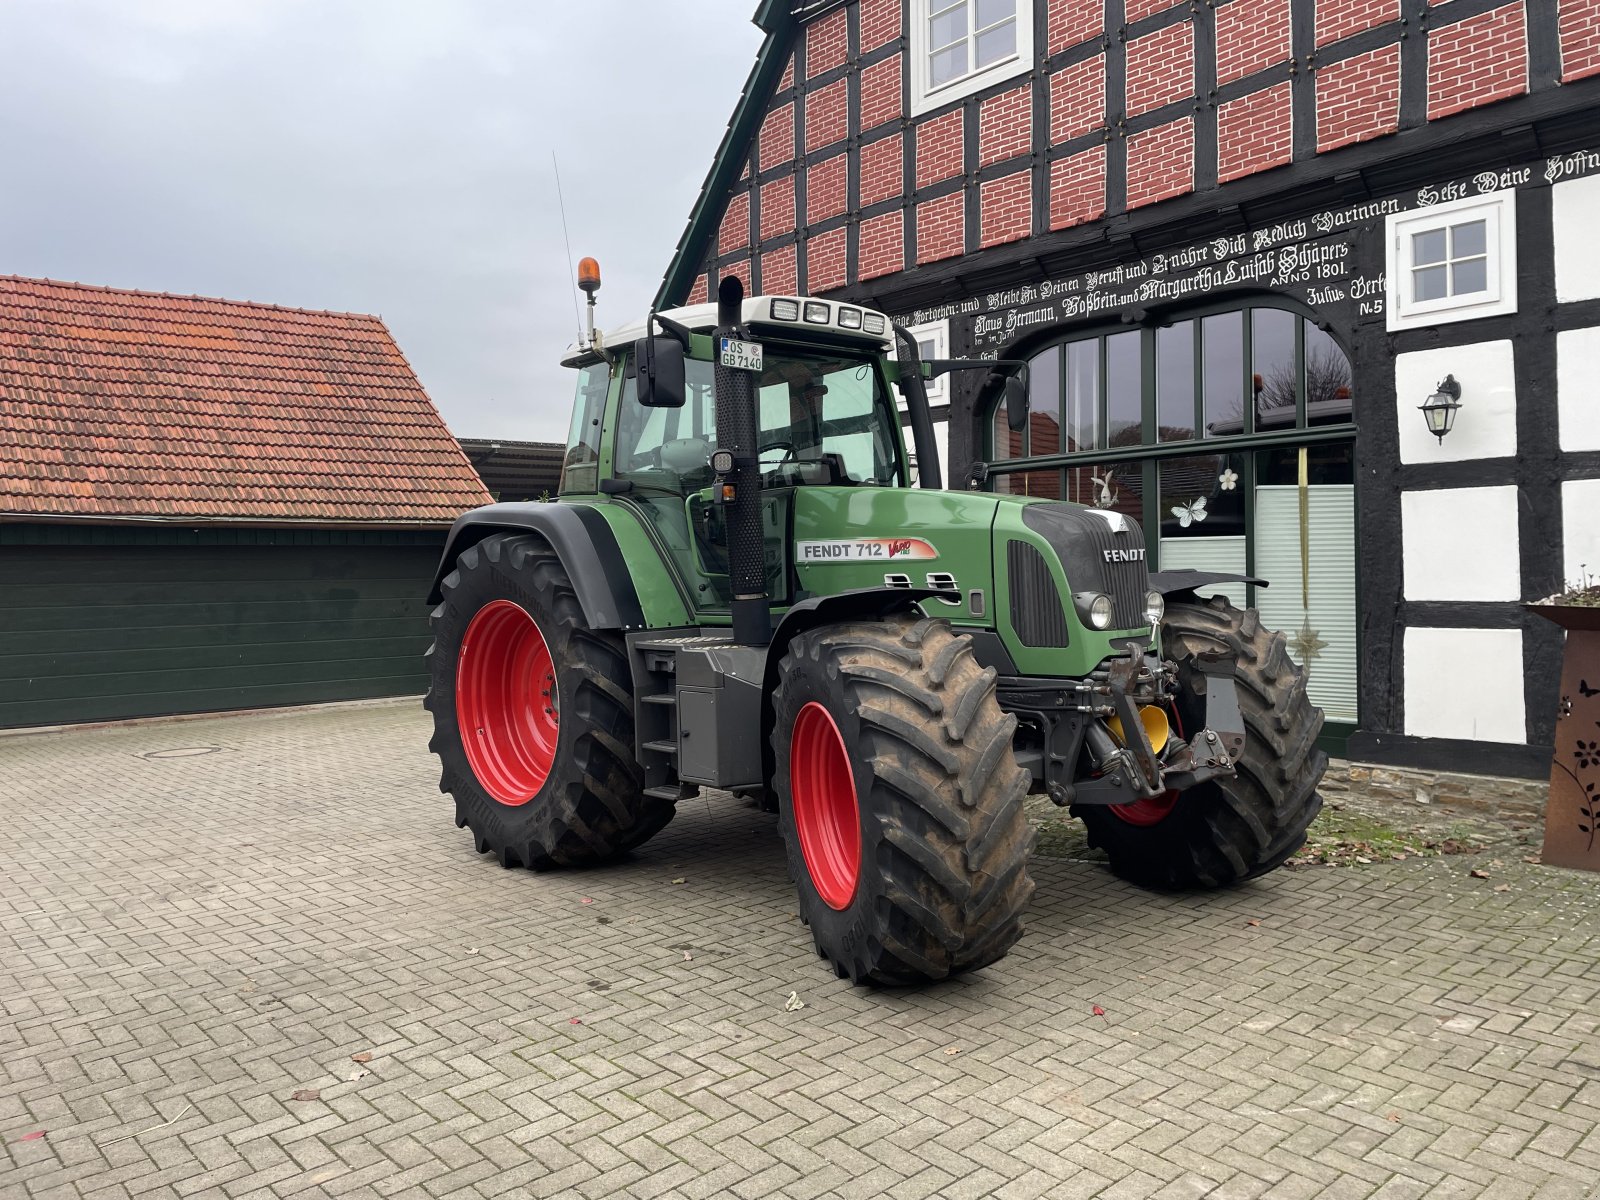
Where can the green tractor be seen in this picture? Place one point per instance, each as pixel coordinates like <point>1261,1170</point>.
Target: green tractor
<point>739,588</point>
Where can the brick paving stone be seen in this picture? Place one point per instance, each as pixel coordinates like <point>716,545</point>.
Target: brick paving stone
<point>221,930</point>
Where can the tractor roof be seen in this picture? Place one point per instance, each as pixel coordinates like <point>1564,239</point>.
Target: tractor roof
<point>841,321</point>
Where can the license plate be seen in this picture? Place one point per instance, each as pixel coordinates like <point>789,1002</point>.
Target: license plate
<point>741,356</point>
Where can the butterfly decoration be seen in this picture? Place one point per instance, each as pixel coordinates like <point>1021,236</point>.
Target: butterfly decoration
<point>1585,690</point>
<point>1188,514</point>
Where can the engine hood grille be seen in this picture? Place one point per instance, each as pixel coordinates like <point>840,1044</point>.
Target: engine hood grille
<point>1101,551</point>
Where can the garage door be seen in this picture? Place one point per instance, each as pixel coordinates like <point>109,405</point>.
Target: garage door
<point>120,625</point>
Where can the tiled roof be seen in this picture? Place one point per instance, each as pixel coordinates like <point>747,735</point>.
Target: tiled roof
<point>140,404</point>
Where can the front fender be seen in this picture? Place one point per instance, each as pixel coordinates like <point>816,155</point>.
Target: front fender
<point>580,536</point>
<point>1181,582</point>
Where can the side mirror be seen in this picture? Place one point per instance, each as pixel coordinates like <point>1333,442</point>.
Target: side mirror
<point>1016,404</point>
<point>658,363</point>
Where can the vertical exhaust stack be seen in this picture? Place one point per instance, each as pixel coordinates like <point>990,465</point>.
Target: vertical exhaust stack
<point>736,433</point>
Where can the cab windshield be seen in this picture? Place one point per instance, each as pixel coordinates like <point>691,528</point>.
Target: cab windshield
<point>823,418</point>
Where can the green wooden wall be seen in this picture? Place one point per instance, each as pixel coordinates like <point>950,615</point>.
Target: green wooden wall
<point>102,623</point>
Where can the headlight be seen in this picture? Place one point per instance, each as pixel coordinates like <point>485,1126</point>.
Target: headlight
<point>1155,607</point>
<point>1100,612</point>
<point>786,310</point>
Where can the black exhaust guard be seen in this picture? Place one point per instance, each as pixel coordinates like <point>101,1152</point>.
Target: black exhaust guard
<point>736,433</point>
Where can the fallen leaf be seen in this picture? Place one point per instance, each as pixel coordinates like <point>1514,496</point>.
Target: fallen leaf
<point>1495,862</point>
<point>585,900</point>
<point>364,1056</point>
<point>687,957</point>
<point>306,1094</point>
<point>793,1003</point>
<point>358,1073</point>
<point>1530,858</point>
<point>1392,1116</point>
<point>1477,874</point>
<point>679,879</point>
<point>472,949</point>
<point>952,1049</point>
<point>1364,860</point>
<point>1398,857</point>
<point>1252,921</point>
<point>32,1137</point>
<point>1502,887</point>
<point>1101,1013</point>
<point>574,1020</point>
<point>603,920</point>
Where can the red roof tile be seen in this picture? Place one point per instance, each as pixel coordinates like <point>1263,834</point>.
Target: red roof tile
<point>139,404</point>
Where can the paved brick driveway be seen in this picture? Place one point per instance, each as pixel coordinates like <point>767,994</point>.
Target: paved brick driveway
<point>185,942</point>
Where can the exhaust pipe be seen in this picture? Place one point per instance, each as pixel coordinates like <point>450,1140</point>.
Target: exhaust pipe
<point>736,433</point>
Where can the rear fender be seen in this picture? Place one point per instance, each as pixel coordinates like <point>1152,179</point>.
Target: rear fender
<point>581,537</point>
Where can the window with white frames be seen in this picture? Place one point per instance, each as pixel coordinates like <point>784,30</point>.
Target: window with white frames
<point>960,46</point>
<point>933,341</point>
<point>1453,262</point>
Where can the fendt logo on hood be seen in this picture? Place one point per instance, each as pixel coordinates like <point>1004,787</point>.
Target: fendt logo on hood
<point>1116,556</point>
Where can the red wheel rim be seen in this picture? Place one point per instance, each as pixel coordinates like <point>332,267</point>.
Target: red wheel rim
<point>507,705</point>
<point>823,798</point>
<point>1150,811</point>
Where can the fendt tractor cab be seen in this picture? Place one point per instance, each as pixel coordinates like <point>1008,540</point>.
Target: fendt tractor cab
<point>739,587</point>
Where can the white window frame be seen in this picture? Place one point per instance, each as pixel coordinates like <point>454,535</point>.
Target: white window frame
<point>937,332</point>
<point>1498,211</point>
<point>924,97</point>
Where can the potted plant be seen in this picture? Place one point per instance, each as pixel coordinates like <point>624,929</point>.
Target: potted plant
<point>1572,816</point>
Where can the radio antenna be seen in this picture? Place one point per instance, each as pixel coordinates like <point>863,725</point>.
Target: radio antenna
<point>572,277</point>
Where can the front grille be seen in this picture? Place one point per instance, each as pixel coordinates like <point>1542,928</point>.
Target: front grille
<point>1081,537</point>
<point>1036,612</point>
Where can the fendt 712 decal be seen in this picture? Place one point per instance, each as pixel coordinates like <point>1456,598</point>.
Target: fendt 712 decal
<point>863,549</point>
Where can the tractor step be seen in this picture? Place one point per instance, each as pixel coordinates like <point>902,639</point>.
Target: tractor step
<point>666,698</point>
<point>663,747</point>
<point>674,793</point>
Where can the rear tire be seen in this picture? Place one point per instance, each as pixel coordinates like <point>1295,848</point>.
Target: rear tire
<point>545,776</point>
<point>899,800</point>
<point>1225,831</point>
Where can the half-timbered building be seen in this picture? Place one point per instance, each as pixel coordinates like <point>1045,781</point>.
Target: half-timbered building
<point>1242,244</point>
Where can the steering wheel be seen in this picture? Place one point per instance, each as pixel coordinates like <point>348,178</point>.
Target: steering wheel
<point>790,452</point>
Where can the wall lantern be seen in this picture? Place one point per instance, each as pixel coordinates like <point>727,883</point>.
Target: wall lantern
<point>1440,409</point>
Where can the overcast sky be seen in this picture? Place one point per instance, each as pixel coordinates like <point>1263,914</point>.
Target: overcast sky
<point>380,156</point>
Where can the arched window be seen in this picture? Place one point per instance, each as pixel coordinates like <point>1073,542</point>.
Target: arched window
<point>1227,434</point>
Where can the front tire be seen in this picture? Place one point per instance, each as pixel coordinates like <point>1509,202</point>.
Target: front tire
<point>533,713</point>
<point>1225,831</point>
<point>899,800</point>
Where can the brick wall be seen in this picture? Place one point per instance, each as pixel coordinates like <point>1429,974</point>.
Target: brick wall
<point>1006,209</point>
<point>941,228</point>
<point>1005,125</point>
<point>1078,188</point>
<point>777,208</point>
<point>735,231</point>
<point>778,271</point>
<point>880,93</point>
<point>828,115</point>
<point>1161,163</point>
<point>880,23</point>
<point>1078,99</point>
<point>1161,67</point>
<point>775,144</point>
<point>1069,22</point>
<point>1353,83</point>
<point>882,167</point>
<point>1358,98</point>
<point>1340,18</point>
<point>1254,133</point>
<point>1578,25</point>
<point>826,194</point>
<point>940,147</point>
<point>1251,35</point>
<point>1478,61</point>
<point>883,247</point>
<point>827,42</point>
<point>825,261</point>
